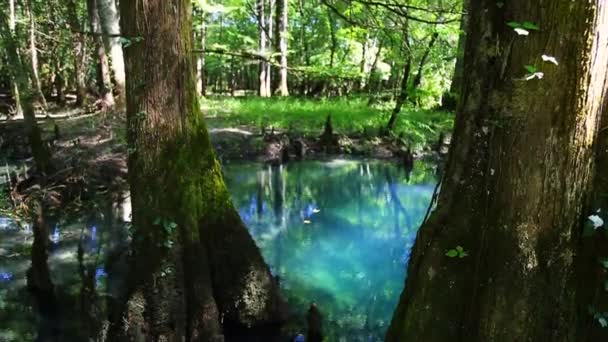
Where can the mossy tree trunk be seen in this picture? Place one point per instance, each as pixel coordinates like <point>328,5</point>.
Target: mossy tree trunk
<point>194,264</point>
<point>518,174</point>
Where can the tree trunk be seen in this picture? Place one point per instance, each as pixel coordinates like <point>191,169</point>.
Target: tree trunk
<point>515,184</point>
<point>282,43</point>
<point>79,53</point>
<point>269,48</point>
<point>194,263</point>
<point>104,81</point>
<point>20,77</point>
<point>110,26</point>
<point>201,66</point>
<point>261,13</point>
<point>14,87</point>
<point>418,77</point>
<point>392,122</point>
<point>450,101</point>
<point>34,56</point>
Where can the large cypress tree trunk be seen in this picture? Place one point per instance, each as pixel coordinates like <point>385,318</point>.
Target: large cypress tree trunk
<point>110,26</point>
<point>515,184</point>
<point>194,263</point>
<point>104,80</point>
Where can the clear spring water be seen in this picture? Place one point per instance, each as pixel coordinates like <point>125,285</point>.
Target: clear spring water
<point>337,233</point>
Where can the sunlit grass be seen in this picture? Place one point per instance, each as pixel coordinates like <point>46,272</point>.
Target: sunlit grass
<point>349,116</point>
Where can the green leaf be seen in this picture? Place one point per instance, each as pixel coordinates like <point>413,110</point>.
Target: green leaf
<point>603,322</point>
<point>452,253</point>
<point>530,68</point>
<point>156,221</point>
<point>588,229</point>
<point>530,26</point>
<point>459,249</point>
<point>463,254</point>
<point>500,4</point>
<point>604,263</point>
<point>514,24</point>
<point>173,225</point>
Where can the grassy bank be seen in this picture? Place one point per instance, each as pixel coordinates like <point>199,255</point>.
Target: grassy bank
<point>349,116</point>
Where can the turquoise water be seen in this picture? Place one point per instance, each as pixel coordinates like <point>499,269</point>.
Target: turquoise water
<point>336,233</point>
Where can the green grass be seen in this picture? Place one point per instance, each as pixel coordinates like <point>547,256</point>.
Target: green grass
<point>349,116</point>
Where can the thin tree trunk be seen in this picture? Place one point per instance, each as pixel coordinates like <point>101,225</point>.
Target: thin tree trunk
<point>104,80</point>
<point>418,77</point>
<point>79,53</point>
<point>451,101</point>
<point>34,56</point>
<point>402,98</point>
<point>14,87</point>
<point>305,87</point>
<point>194,264</point>
<point>20,76</point>
<point>202,72</point>
<point>270,48</point>
<point>110,26</point>
<point>262,44</point>
<point>515,185</point>
<point>363,63</point>
<point>282,41</point>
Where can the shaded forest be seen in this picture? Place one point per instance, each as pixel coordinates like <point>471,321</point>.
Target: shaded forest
<point>303,170</point>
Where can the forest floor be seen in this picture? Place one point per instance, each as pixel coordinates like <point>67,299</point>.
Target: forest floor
<point>89,149</point>
<point>256,128</point>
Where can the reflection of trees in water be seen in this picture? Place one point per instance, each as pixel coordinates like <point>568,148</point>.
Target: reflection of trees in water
<point>369,203</point>
<point>39,282</point>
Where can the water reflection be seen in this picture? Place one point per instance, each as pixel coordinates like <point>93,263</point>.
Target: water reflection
<point>336,233</point>
<point>53,280</point>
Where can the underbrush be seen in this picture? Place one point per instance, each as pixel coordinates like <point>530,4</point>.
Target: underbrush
<point>350,116</point>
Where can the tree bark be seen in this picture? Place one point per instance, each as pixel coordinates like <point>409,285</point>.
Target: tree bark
<point>262,44</point>
<point>110,26</point>
<point>194,263</point>
<point>282,43</point>
<point>34,56</point>
<point>104,80</point>
<point>14,87</point>
<point>202,66</point>
<point>418,78</point>
<point>515,184</point>
<point>79,53</point>
<point>403,93</point>
<point>20,77</point>
<point>457,79</point>
<point>269,47</point>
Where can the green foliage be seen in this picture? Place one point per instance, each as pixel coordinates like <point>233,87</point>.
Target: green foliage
<point>349,116</point>
<point>526,25</point>
<point>457,252</point>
